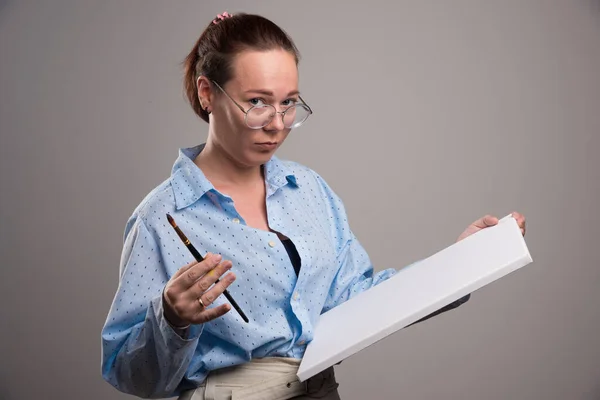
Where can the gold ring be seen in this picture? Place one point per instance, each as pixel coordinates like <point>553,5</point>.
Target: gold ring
<point>201,303</point>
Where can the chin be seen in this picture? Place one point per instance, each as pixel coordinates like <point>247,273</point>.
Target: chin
<point>255,158</point>
<point>261,158</point>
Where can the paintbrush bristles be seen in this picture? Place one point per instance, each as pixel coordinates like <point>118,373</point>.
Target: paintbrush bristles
<point>171,221</point>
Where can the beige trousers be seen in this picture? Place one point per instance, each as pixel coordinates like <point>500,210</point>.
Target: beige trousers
<point>271,378</point>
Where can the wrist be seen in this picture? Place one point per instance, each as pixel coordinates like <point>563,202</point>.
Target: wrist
<point>171,318</point>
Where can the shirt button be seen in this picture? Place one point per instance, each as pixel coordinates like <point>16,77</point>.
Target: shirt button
<point>296,296</point>
<point>301,343</point>
<point>272,243</point>
<point>236,220</point>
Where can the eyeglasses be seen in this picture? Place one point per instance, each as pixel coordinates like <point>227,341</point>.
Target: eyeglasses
<point>259,116</point>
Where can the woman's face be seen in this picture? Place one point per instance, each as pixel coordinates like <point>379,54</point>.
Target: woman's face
<point>259,77</point>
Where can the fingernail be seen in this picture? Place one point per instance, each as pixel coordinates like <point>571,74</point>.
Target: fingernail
<point>217,258</point>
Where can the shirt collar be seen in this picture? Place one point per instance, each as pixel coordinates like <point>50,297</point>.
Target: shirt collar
<point>279,174</point>
<point>190,184</point>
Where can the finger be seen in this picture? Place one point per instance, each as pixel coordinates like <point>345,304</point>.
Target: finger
<point>486,221</point>
<point>170,285</point>
<point>209,314</point>
<point>517,217</point>
<point>204,283</point>
<point>520,219</point>
<point>183,269</point>
<point>197,271</point>
<point>211,295</point>
<point>192,309</point>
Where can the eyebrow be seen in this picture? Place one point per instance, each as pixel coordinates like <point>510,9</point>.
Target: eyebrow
<point>269,93</point>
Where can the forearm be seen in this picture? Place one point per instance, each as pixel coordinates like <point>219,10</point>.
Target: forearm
<point>152,361</point>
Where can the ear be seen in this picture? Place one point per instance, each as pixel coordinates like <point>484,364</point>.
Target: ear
<point>204,92</point>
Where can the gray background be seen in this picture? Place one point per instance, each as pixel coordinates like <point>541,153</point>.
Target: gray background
<point>428,115</point>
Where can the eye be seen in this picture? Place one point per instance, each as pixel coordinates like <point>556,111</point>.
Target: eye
<point>257,101</point>
<point>289,102</point>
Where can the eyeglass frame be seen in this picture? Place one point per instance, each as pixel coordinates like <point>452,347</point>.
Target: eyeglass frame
<point>310,111</point>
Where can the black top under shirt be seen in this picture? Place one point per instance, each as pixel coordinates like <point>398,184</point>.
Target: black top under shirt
<point>293,254</point>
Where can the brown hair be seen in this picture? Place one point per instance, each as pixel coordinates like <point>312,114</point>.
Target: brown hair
<point>213,54</point>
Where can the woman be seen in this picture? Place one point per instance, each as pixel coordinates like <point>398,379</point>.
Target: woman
<point>274,232</point>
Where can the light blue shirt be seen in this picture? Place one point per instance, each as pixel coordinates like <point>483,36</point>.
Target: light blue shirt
<point>144,356</point>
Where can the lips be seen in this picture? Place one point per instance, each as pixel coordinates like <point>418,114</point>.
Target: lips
<point>266,146</point>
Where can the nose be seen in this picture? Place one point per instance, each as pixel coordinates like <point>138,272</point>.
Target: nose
<point>276,123</point>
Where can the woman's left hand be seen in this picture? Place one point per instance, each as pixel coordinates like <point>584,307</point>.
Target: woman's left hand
<point>490,220</point>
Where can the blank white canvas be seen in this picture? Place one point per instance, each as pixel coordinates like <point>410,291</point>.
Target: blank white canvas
<point>415,292</point>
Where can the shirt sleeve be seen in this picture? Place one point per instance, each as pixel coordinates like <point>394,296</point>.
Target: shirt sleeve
<point>142,354</point>
<point>355,272</point>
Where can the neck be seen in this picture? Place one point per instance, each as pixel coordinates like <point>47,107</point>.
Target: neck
<point>221,169</point>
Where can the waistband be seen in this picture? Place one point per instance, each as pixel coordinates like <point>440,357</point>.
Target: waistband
<point>270,378</point>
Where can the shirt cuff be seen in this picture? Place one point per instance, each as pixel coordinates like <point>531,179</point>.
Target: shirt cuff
<point>170,332</point>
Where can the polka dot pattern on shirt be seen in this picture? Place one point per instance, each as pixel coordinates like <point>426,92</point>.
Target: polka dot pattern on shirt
<point>283,308</point>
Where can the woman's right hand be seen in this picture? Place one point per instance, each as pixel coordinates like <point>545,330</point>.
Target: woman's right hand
<point>190,284</point>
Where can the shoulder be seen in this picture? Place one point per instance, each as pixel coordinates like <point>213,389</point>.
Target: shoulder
<point>153,206</point>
